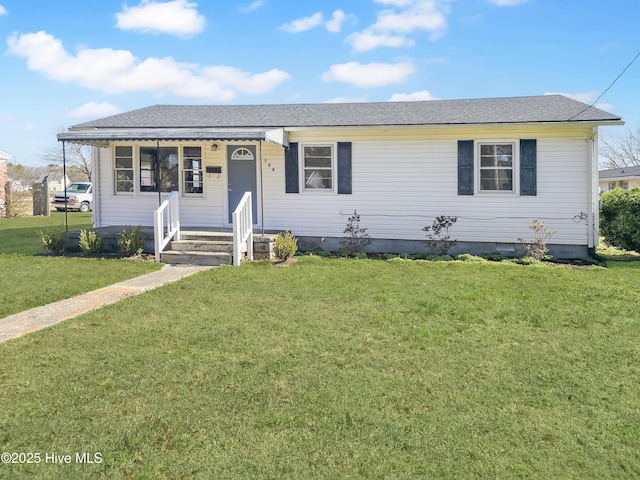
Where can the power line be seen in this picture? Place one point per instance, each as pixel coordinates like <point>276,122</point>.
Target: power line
<point>608,88</point>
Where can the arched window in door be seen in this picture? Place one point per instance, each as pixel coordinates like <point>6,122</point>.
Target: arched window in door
<point>242,154</point>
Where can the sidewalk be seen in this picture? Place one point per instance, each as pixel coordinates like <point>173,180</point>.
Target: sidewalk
<point>38,318</point>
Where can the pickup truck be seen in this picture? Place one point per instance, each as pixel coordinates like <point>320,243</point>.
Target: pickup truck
<point>79,197</point>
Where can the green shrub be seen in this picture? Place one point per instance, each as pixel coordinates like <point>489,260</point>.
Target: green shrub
<point>528,260</point>
<point>467,257</point>
<point>90,242</point>
<point>361,255</point>
<point>53,240</point>
<point>131,241</point>
<point>620,218</point>
<point>285,245</point>
<point>495,257</point>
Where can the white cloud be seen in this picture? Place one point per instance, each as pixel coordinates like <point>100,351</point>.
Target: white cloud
<point>507,3</point>
<point>347,100</point>
<point>252,6</point>
<point>118,71</point>
<point>303,24</point>
<point>3,11</point>
<point>395,3</point>
<point>368,40</point>
<point>94,110</point>
<point>30,127</point>
<point>369,75</point>
<point>335,24</point>
<point>412,97</point>
<point>178,17</point>
<point>394,24</point>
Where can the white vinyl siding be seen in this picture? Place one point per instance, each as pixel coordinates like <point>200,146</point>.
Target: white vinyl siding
<point>401,180</point>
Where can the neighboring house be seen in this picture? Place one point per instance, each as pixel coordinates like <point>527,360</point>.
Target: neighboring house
<point>496,164</point>
<point>4,159</point>
<point>625,178</point>
<point>56,184</point>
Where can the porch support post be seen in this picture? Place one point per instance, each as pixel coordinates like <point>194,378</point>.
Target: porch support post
<point>64,182</point>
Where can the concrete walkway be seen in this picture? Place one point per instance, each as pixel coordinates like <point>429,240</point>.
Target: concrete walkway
<point>38,318</point>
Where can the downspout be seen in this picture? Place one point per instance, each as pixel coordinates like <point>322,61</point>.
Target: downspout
<point>95,174</point>
<point>64,182</point>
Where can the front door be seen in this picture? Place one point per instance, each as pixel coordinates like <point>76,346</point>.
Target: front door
<point>241,168</point>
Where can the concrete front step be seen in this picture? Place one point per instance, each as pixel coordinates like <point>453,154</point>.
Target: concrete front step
<point>206,236</point>
<point>196,258</point>
<point>201,246</point>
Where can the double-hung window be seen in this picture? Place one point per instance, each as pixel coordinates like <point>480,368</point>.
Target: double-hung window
<point>317,167</point>
<point>497,167</point>
<point>192,170</point>
<point>124,169</point>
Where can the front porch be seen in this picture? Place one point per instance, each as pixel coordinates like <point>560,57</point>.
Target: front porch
<point>197,245</point>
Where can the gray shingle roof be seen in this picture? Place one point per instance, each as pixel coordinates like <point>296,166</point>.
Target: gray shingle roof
<point>539,109</point>
<point>619,173</point>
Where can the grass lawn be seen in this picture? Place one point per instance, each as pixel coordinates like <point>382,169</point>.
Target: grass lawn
<point>337,368</point>
<point>31,280</point>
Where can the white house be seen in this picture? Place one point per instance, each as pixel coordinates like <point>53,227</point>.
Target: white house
<point>625,178</point>
<point>496,164</point>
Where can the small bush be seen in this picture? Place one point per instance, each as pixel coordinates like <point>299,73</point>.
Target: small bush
<point>361,256</point>
<point>537,246</point>
<point>356,238</point>
<point>90,242</point>
<point>620,218</point>
<point>439,234</point>
<point>440,258</point>
<point>320,252</point>
<point>526,261</point>
<point>467,257</point>
<point>495,257</point>
<point>285,245</point>
<point>131,241</point>
<point>53,240</point>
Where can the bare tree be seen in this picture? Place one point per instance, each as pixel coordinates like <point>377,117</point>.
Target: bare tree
<point>622,150</point>
<point>77,156</point>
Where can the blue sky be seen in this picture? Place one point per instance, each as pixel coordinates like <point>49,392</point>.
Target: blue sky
<point>68,62</point>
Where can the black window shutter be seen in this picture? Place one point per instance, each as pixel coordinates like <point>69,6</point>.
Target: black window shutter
<point>465,167</point>
<point>291,178</point>
<point>344,167</point>
<point>528,154</point>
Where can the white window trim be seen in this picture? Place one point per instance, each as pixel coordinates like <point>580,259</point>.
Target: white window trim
<point>114,170</point>
<point>334,168</point>
<point>516,168</point>
<point>181,174</point>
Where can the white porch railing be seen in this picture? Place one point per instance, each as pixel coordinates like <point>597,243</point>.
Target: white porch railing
<point>242,228</point>
<point>166,223</point>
